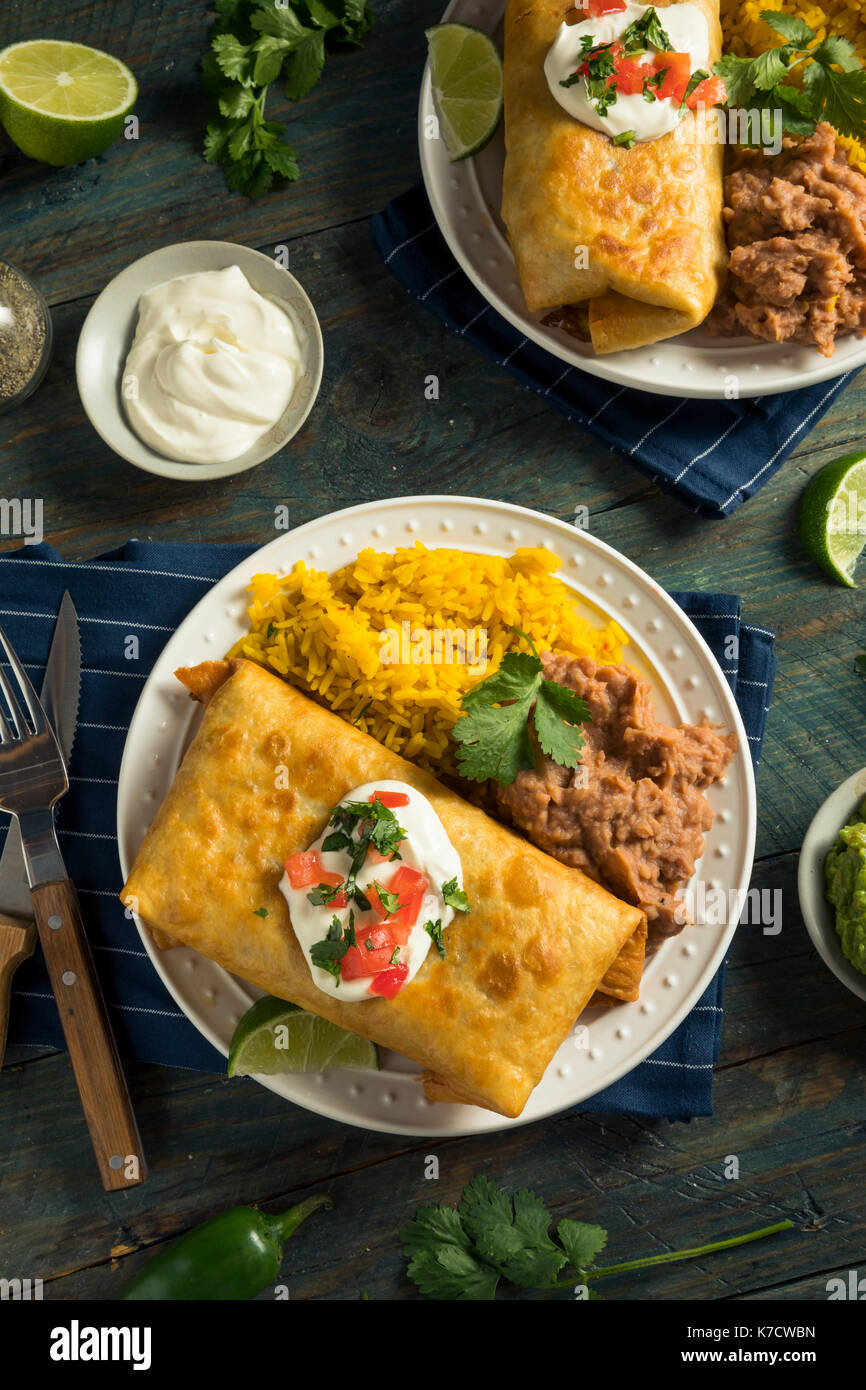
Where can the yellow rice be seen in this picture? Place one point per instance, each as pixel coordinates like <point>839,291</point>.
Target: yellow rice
<point>324,633</point>
<point>746,33</point>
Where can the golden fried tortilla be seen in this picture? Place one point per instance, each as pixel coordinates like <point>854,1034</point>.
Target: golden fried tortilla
<point>519,968</point>
<point>650,217</point>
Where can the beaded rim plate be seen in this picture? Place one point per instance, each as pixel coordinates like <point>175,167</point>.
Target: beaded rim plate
<point>688,685</point>
<point>466,197</point>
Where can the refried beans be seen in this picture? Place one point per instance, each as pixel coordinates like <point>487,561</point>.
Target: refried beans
<point>633,814</point>
<point>796,226</point>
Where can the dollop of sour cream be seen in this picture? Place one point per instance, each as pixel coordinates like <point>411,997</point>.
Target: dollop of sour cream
<point>425,848</point>
<point>689,33</point>
<point>212,367</point>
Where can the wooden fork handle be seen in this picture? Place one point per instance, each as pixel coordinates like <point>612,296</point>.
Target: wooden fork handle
<point>17,942</point>
<point>92,1049</point>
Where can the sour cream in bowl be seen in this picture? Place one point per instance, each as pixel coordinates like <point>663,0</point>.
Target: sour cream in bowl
<point>200,360</point>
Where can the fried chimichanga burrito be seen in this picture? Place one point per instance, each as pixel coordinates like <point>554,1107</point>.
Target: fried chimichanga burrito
<point>631,231</point>
<point>441,935</point>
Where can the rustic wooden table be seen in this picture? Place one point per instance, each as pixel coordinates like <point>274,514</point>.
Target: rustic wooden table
<point>789,1090</point>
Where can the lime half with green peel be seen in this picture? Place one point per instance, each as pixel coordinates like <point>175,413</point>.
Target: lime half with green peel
<point>63,102</point>
<point>274,1036</point>
<point>466,73</point>
<point>833,517</point>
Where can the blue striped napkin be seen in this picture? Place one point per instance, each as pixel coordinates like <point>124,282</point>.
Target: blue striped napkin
<point>712,455</point>
<point>145,590</point>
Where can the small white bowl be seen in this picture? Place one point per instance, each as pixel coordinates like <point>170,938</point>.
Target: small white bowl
<point>109,328</point>
<point>818,914</point>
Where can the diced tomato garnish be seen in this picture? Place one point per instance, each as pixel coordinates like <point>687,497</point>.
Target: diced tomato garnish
<point>390,799</point>
<point>596,8</point>
<point>678,68</point>
<point>711,92</point>
<point>305,868</point>
<point>374,857</point>
<point>410,887</point>
<point>372,894</point>
<point>361,960</point>
<point>389,983</point>
<point>630,74</point>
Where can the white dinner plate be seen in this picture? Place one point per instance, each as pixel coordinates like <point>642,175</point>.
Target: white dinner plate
<point>466,198</point>
<point>688,685</point>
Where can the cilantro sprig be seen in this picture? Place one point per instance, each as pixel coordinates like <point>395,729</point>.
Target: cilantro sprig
<point>494,736</point>
<point>455,897</point>
<point>763,83</point>
<point>253,44</point>
<point>463,1253</point>
<point>327,954</point>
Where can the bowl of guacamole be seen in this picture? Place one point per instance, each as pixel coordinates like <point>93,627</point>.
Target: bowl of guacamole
<point>832,882</point>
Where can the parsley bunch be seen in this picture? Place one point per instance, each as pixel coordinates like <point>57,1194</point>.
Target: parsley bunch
<point>462,1254</point>
<point>762,83</point>
<point>253,43</point>
<point>494,737</point>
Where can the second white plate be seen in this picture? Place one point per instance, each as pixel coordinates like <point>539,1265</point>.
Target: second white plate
<point>466,198</point>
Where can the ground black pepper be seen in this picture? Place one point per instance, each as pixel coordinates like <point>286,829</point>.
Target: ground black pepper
<point>24,336</point>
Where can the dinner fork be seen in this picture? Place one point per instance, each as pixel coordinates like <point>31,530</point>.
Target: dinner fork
<point>32,780</point>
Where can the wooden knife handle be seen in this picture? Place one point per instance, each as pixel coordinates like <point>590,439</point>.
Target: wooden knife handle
<point>92,1049</point>
<point>17,942</point>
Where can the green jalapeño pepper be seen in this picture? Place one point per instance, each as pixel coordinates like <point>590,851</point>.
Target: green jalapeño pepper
<point>233,1256</point>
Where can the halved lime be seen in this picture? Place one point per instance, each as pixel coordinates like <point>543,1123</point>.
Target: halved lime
<point>833,517</point>
<point>466,73</point>
<point>63,102</point>
<point>274,1036</point>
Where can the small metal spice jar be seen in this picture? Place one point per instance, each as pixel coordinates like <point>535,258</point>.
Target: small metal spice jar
<point>25,337</point>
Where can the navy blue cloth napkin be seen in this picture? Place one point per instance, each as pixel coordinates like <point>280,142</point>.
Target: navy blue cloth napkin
<point>712,455</point>
<point>145,590</point>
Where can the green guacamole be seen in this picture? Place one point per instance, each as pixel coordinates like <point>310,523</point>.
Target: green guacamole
<point>845,872</point>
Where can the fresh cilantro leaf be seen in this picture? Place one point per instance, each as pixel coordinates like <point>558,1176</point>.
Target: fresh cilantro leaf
<point>249,175</point>
<point>304,66</point>
<point>795,107</point>
<point>795,30</point>
<point>442,1261</point>
<point>390,901</point>
<point>233,57</point>
<point>494,741</point>
<point>434,931</point>
<point>581,1242</point>
<point>455,897</point>
<point>839,97</point>
<point>395,956</point>
<point>280,23</point>
<point>628,138</point>
<point>320,14</point>
<point>738,77</point>
<point>516,672</point>
<point>261,912</point>
<point>215,140</point>
<point>770,68</point>
<point>270,53</point>
<point>338,840</point>
<point>697,77</point>
<point>323,894</point>
<point>513,1237</point>
<point>647,32</point>
<point>356,21</point>
<point>835,49</point>
<point>558,712</point>
<point>235,102</point>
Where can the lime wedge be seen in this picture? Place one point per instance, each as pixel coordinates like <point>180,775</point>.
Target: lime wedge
<point>63,102</point>
<point>466,72</point>
<point>833,517</point>
<point>274,1036</point>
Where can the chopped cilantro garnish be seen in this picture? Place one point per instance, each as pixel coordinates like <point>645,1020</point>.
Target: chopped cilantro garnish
<point>434,931</point>
<point>390,901</point>
<point>328,953</point>
<point>697,77</point>
<point>494,735</point>
<point>455,897</point>
<point>647,32</point>
<point>395,956</point>
<point>627,138</point>
<point>271,632</point>
<point>260,912</point>
<point>652,83</point>
<point>323,894</point>
<point>376,825</point>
